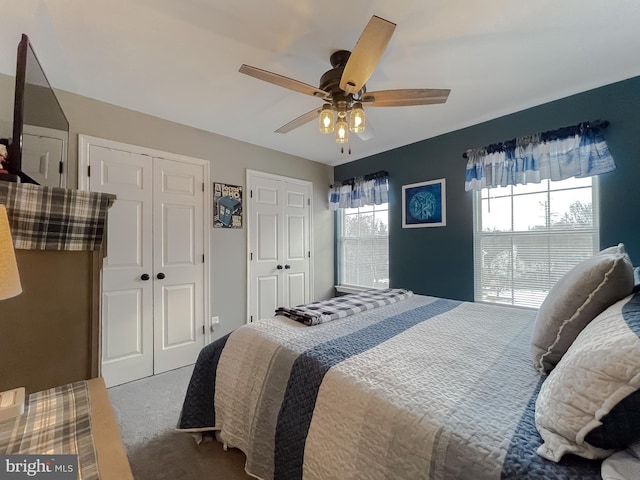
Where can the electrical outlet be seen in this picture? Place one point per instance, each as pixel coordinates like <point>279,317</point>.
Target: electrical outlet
<point>215,322</point>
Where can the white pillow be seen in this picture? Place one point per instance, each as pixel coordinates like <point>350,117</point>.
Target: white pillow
<point>600,369</point>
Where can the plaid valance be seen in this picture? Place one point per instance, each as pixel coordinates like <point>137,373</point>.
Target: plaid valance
<point>52,218</point>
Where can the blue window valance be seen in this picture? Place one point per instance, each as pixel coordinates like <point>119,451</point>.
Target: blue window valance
<point>355,192</point>
<point>577,151</point>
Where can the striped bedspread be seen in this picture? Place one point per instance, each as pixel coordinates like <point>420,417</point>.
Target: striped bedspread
<point>425,388</point>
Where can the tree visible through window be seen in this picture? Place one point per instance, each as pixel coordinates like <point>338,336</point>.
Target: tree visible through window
<point>526,237</point>
<point>363,246</point>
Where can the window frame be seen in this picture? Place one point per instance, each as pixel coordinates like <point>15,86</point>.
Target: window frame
<point>341,286</point>
<point>477,234</point>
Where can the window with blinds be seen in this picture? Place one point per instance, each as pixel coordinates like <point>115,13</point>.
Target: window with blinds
<point>526,237</point>
<point>363,246</point>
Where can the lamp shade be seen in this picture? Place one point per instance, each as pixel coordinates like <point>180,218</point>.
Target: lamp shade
<point>326,119</point>
<point>9,278</point>
<point>356,118</point>
<point>342,130</point>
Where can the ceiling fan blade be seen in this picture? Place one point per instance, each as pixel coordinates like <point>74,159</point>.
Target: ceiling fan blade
<point>366,54</point>
<point>283,81</point>
<point>405,97</point>
<point>298,122</point>
<point>368,132</point>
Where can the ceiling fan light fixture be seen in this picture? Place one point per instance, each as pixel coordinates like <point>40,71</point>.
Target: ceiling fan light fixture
<point>326,123</point>
<point>357,118</point>
<point>342,130</point>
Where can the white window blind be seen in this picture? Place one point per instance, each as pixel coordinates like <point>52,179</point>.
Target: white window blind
<point>363,246</point>
<point>527,236</point>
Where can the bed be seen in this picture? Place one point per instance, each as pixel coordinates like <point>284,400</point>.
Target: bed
<point>420,388</point>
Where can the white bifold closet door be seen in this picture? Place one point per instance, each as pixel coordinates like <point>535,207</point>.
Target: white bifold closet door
<point>153,275</point>
<point>279,266</point>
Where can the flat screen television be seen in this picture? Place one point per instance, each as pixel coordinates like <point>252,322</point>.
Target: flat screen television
<point>38,148</point>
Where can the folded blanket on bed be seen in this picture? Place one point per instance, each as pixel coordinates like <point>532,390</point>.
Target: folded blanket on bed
<point>339,307</point>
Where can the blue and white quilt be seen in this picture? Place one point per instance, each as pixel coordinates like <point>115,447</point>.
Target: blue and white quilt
<point>424,388</point>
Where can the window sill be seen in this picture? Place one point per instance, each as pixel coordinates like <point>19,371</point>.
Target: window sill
<point>521,307</point>
<point>351,288</point>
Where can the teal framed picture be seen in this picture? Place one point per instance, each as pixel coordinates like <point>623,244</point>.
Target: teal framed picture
<point>424,204</point>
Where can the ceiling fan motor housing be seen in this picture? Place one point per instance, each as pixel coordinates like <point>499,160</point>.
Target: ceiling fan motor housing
<point>330,80</point>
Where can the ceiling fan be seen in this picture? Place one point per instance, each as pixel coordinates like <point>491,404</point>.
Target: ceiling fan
<point>343,87</point>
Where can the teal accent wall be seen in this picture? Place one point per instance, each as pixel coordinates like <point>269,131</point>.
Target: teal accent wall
<point>438,261</point>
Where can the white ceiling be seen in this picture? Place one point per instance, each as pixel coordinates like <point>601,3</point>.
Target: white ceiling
<point>179,59</point>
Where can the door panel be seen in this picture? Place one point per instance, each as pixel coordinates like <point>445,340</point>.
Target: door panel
<point>180,227</point>
<point>118,173</point>
<point>124,332</point>
<point>266,217</point>
<point>295,199</point>
<point>127,303</point>
<point>43,149</point>
<point>296,236</point>
<point>124,249</point>
<point>296,241</point>
<point>178,183</point>
<point>40,159</point>
<point>267,295</point>
<point>178,249</point>
<point>179,302</point>
<point>296,288</point>
<point>267,193</point>
<point>268,237</point>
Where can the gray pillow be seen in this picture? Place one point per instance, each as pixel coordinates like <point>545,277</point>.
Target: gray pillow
<point>577,298</point>
<point>636,279</point>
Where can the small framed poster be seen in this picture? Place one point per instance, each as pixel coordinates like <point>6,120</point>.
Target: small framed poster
<point>424,204</point>
<point>227,206</point>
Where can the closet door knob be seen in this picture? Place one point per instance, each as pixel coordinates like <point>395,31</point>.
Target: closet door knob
<point>287,267</point>
<point>279,267</point>
<point>144,277</point>
<point>160,276</point>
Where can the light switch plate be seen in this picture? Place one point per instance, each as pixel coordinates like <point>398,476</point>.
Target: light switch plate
<point>12,403</point>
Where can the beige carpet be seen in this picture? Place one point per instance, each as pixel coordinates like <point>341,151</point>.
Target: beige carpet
<point>147,411</point>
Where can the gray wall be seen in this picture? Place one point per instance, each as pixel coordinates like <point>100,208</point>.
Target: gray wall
<point>439,261</point>
<point>6,105</point>
<point>229,160</point>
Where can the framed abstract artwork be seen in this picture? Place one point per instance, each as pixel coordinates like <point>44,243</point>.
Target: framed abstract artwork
<point>424,204</point>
